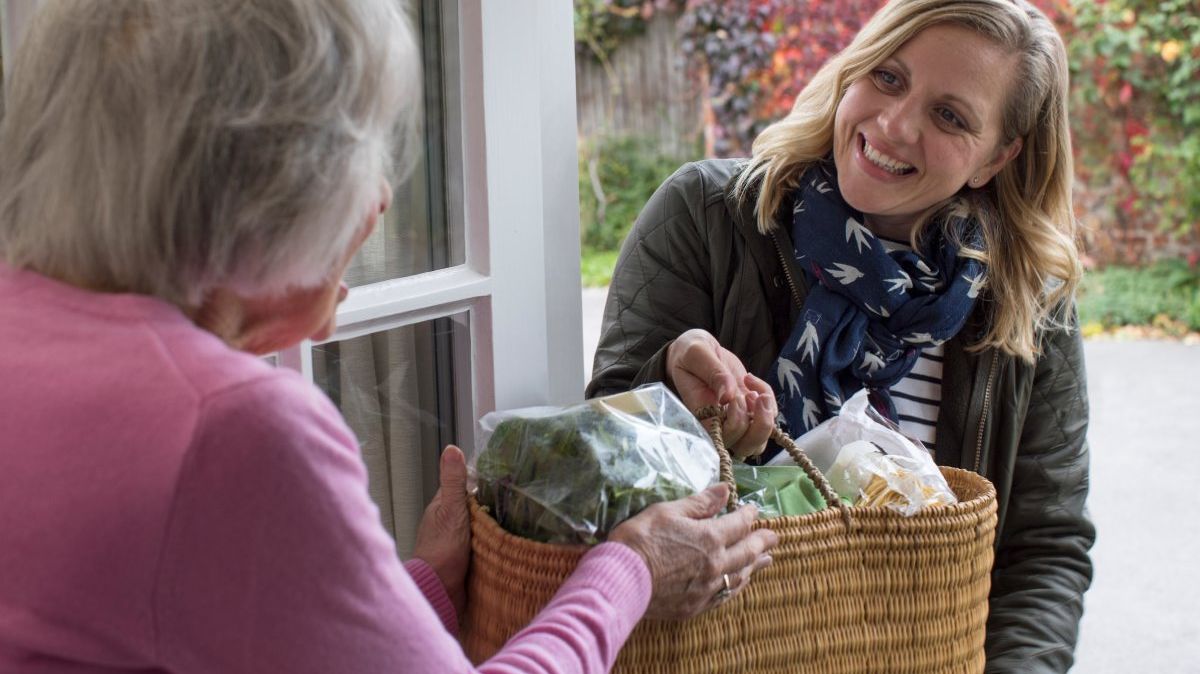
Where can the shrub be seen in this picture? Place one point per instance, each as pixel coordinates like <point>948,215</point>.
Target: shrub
<point>1164,294</point>
<point>1136,93</point>
<point>616,177</point>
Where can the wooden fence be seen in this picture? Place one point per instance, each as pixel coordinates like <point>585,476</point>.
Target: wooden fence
<point>645,90</point>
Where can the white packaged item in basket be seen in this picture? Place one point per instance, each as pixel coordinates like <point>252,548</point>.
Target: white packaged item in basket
<point>859,445</point>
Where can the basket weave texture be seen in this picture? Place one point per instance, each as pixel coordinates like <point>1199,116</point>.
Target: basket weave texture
<point>872,592</point>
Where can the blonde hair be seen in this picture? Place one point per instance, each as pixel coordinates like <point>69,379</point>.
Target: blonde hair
<point>171,147</point>
<point>1025,212</point>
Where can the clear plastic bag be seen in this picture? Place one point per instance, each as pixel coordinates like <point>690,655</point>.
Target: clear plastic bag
<point>869,462</point>
<point>872,478</point>
<point>571,474</point>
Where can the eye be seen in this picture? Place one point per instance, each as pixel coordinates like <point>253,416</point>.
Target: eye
<point>886,79</point>
<point>948,116</point>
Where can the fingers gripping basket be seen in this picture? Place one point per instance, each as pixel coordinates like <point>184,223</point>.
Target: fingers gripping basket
<point>850,590</point>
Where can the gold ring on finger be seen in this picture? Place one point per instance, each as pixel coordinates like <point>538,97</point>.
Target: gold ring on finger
<point>726,591</point>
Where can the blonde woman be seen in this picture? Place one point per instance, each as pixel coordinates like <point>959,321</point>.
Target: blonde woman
<point>182,184</point>
<point>907,229</point>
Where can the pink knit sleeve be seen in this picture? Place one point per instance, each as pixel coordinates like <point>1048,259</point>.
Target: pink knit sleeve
<point>274,560</point>
<point>434,591</point>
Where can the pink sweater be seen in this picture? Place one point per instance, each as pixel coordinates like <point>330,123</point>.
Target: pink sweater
<point>169,504</point>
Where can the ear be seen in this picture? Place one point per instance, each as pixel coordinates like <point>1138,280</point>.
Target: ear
<point>1003,156</point>
<point>267,323</point>
<point>221,312</point>
<point>274,322</point>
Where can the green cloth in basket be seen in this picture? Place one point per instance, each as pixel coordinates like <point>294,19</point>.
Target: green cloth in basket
<point>777,490</point>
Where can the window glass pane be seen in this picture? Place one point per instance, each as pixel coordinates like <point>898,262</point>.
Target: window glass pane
<point>415,235</point>
<point>396,390</point>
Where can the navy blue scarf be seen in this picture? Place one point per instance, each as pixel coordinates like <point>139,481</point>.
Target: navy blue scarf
<point>868,312</point>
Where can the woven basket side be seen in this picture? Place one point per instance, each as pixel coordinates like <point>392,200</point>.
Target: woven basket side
<point>890,594</point>
<point>509,581</point>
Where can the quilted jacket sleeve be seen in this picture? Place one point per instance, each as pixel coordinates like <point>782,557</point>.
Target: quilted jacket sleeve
<point>661,287</point>
<point>1042,568</point>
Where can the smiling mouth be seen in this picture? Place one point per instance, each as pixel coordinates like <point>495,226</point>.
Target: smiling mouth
<point>893,166</point>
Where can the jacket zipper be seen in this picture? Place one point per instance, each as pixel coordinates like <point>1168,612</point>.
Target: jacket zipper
<point>787,272</point>
<point>987,398</point>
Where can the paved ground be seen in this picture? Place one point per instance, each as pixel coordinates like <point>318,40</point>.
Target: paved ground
<point>1143,612</point>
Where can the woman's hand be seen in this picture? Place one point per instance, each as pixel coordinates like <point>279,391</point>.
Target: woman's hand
<point>705,373</point>
<point>444,535</point>
<point>688,552</point>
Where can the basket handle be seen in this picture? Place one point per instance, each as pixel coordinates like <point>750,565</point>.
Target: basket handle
<point>712,416</point>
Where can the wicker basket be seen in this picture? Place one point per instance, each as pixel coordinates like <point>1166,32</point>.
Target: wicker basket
<point>851,590</point>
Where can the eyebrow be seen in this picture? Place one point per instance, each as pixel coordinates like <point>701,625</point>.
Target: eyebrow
<point>967,108</point>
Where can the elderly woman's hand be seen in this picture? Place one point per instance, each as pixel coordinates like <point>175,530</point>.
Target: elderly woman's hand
<point>688,552</point>
<point>444,535</point>
<point>705,373</point>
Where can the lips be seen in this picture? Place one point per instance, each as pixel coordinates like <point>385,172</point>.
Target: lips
<point>884,161</point>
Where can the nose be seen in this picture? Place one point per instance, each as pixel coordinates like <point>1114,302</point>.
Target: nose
<point>900,121</point>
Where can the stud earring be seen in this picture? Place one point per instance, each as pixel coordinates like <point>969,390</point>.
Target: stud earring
<point>975,181</point>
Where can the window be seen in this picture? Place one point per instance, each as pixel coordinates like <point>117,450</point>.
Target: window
<point>467,300</point>
<point>398,389</point>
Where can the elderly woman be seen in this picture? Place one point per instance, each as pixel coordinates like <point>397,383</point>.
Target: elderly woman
<point>906,229</point>
<point>182,185</point>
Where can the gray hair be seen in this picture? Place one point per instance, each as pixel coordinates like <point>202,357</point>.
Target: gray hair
<point>170,147</point>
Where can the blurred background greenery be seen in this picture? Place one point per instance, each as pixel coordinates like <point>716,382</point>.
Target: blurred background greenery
<point>662,82</point>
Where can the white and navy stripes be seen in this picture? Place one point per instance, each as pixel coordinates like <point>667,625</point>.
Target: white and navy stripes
<point>918,397</point>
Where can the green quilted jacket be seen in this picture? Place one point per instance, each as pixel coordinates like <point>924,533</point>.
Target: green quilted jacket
<point>694,259</point>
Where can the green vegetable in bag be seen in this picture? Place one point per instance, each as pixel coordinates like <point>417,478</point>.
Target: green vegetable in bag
<point>570,475</point>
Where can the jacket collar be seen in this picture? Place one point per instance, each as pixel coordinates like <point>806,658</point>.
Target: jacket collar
<point>772,253</point>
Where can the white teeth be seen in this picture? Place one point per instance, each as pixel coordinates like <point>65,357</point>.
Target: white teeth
<point>883,161</point>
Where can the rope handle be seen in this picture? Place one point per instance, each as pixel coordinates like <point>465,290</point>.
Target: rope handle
<point>712,416</point>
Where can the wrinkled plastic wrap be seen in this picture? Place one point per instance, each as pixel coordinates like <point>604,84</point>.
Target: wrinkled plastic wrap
<point>869,462</point>
<point>572,474</point>
<point>872,478</point>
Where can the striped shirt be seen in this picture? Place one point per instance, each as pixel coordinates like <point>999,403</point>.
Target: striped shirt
<point>918,396</point>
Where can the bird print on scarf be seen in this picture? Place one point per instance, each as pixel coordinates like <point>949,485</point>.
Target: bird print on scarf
<point>869,312</point>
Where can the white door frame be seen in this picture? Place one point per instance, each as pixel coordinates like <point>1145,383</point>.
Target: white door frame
<point>528,55</point>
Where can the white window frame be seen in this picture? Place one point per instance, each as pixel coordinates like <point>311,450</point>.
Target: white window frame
<point>512,187</point>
